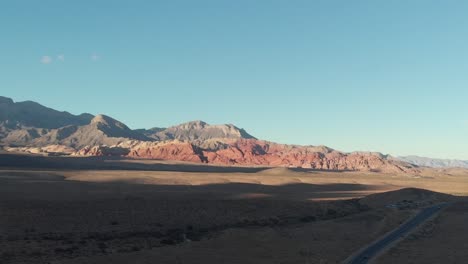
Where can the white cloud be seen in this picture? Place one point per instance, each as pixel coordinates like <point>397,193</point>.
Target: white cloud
<point>61,57</point>
<point>95,57</point>
<point>46,59</point>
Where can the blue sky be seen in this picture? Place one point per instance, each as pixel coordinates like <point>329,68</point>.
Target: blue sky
<point>388,76</point>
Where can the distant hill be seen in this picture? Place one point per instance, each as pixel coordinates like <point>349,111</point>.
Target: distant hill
<point>102,130</point>
<point>435,163</point>
<point>32,124</point>
<point>31,114</point>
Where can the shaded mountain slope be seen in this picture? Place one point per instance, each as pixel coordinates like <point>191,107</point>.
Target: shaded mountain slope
<point>32,114</point>
<point>102,130</point>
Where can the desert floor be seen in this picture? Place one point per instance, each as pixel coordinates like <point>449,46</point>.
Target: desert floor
<point>442,240</point>
<point>101,211</point>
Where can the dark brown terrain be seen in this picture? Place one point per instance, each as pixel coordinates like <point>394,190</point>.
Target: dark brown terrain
<point>98,211</point>
<point>441,240</point>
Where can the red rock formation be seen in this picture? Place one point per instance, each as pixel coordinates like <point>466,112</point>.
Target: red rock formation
<point>262,153</point>
<point>257,152</point>
<point>174,150</point>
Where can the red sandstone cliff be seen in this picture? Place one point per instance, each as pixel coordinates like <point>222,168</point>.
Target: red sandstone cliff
<point>252,152</point>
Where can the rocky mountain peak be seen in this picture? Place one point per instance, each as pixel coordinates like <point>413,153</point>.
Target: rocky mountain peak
<point>32,114</point>
<point>197,124</point>
<point>199,130</point>
<point>107,121</point>
<point>6,100</point>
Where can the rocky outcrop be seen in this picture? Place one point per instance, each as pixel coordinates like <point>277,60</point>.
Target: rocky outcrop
<point>256,152</point>
<point>50,150</point>
<point>101,151</point>
<point>199,130</point>
<point>102,130</point>
<point>172,150</point>
<point>252,152</point>
<point>23,136</point>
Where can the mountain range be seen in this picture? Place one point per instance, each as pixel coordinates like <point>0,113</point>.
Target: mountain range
<point>435,163</point>
<point>33,128</point>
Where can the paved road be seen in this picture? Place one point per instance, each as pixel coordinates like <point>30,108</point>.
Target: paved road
<point>372,250</point>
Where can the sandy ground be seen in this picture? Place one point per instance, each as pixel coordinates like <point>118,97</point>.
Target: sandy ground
<point>442,240</point>
<point>321,242</point>
<point>342,184</point>
<point>139,212</point>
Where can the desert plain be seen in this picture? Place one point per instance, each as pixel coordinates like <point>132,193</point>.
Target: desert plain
<point>98,210</point>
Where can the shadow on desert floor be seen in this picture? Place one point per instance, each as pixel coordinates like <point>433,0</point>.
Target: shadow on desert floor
<point>109,163</point>
<point>53,185</point>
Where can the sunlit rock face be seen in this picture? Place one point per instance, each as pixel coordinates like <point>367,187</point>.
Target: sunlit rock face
<point>32,128</point>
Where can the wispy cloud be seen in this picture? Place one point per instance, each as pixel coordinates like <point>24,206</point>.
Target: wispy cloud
<point>95,57</point>
<point>46,59</point>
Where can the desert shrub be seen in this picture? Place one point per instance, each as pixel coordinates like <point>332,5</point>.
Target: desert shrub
<point>176,234</point>
<point>7,256</point>
<point>63,250</point>
<point>102,246</point>
<point>53,237</point>
<point>275,220</point>
<point>193,236</point>
<point>29,230</point>
<point>331,212</point>
<point>308,218</point>
<point>168,242</point>
<point>11,238</point>
<point>135,248</point>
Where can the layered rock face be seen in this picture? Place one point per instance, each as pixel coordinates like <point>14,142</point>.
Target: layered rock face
<point>102,151</point>
<point>172,150</point>
<point>101,130</point>
<point>250,152</point>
